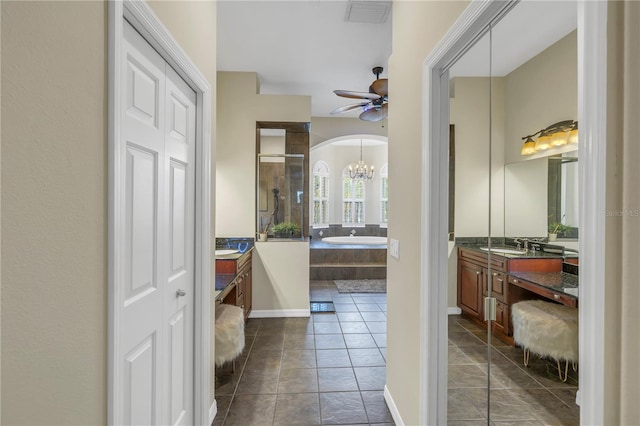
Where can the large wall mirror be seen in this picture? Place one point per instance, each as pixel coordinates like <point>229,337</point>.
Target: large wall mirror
<point>516,82</point>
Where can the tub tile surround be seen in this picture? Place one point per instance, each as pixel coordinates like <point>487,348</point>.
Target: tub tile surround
<point>337,230</point>
<point>347,261</point>
<point>325,369</point>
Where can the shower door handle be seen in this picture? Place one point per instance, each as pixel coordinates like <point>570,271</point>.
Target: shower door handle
<point>489,308</point>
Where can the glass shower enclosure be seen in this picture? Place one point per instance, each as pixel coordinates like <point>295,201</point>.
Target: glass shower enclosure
<point>280,197</point>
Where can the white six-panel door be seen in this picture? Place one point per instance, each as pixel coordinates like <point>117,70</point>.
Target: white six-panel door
<point>157,301</point>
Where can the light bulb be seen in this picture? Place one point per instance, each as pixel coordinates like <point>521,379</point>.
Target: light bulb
<point>543,143</point>
<point>559,138</point>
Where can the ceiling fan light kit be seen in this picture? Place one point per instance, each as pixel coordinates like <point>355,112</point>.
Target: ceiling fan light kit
<point>376,105</point>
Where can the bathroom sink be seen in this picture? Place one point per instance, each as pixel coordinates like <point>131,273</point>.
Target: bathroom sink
<point>225,252</point>
<point>503,250</point>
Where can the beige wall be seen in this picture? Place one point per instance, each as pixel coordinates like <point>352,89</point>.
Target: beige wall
<point>417,27</point>
<point>54,212</point>
<point>325,128</point>
<point>542,91</point>
<point>471,115</point>
<point>280,278</point>
<point>239,107</point>
<point>54,202</point>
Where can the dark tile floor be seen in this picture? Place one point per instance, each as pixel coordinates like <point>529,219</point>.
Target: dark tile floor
<point>520,395</point>
<point>330,369</point>
<point>326,369</point>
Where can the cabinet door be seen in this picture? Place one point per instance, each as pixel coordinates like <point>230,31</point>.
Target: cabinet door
<point>470,288</point>
<point>501,324</point>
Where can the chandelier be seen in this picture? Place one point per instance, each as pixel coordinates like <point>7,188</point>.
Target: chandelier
<point>360,171</point>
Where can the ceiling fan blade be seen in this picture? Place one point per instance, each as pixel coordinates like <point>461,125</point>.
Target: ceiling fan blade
<point>349,107</point>
<point>356,95</point>
<point>380,86</point>
<point>375,114</point>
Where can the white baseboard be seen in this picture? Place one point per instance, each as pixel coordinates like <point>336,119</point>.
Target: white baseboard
<point>392,407</point>
<point>454,311</point>
<point>280,313</point>
<point>213,410</point>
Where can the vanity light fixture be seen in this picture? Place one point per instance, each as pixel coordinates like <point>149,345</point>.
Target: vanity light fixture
<point>360,171</point>
<point>553,136</point>
<point>573,134</point>
<point>529,147</point>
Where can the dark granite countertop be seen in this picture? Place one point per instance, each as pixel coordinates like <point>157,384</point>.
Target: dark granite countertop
<point>241,244</point>
<point>233,256</point>
<point>529,254</point>
<point>562,282</point>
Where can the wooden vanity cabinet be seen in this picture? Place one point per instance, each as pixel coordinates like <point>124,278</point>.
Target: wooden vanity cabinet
<point>475,282</point>
<point>241,294</point>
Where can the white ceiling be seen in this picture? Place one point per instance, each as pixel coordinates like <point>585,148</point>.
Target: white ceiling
<point>302,48</point>
<point>305,47</point>
<point>528,29</point>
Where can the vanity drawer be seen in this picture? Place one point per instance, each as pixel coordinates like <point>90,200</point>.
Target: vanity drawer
<point>498,263</point>
<point>499,286</point>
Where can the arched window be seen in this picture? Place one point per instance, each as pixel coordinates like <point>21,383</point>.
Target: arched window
<point>320,194</point>
<point>384,195</point>
<point>352,200</point>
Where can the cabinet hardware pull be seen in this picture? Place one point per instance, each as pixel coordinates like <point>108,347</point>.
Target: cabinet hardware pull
<point>556,296</point>
<point>477,272</point>
<point>495,274</point>
<point>515,281</point>
<point>180,293</point>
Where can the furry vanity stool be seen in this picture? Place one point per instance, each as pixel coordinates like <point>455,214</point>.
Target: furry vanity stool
<point>229,334</point>
<point>548,330</point>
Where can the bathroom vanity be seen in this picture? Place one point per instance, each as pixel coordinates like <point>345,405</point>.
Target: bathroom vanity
<point>511,278</point>
<point>234,280</point>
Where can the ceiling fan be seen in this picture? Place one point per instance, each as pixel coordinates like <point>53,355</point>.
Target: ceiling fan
<point>375,103</point>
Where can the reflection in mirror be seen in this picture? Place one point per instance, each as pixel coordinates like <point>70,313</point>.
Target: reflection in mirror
<point>470,113</point>
<point>541,196</point>
<point>563,196</point>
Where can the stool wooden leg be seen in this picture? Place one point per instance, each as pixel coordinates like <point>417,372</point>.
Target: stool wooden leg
<point>566,370</point>
<point>527,356</point>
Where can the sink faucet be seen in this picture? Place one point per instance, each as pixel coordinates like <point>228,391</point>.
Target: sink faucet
<point>520,241</point>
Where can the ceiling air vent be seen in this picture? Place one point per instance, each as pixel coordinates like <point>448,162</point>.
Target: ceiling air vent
<point>368,12</point>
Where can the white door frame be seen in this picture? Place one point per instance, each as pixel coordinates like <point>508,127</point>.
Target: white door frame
<point>142,18</point>
<point>592,82</point>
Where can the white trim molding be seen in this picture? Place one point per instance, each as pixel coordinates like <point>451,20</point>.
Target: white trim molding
<point>592,115</point>
<point>142,18</point>
<point>280,313</point>
<point>473,22</point>
<point>213,410</point>
<point>393,409</point>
